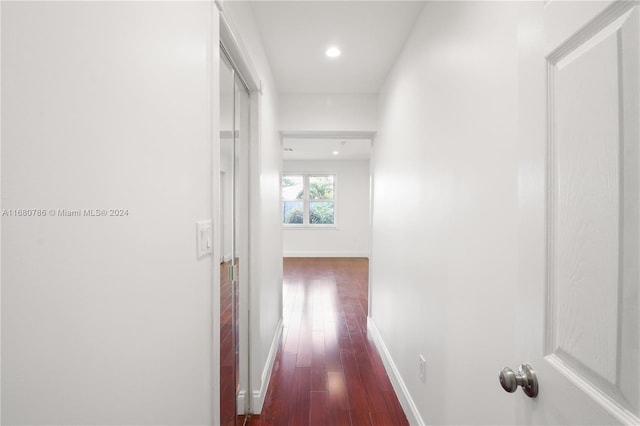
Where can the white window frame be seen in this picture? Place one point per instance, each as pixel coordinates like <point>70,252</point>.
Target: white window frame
<point>306,202</point>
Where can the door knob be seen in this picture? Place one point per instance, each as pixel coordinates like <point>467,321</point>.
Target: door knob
<point>525,377</point>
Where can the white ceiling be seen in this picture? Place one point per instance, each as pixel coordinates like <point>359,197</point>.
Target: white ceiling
<point>370,34</point>
<point>322,149</point>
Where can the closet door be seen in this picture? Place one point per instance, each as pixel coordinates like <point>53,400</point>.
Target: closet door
<point>228,341</point>
<point>240,261</point>
<point>234,292</point>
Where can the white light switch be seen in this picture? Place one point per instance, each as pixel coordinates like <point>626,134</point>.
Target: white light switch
<point>204,238</point>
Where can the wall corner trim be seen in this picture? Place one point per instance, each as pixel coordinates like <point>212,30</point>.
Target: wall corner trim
<point>258,395</point>
<point>409,407</point>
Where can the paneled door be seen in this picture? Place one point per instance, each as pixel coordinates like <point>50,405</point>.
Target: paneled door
<point>579,212</point>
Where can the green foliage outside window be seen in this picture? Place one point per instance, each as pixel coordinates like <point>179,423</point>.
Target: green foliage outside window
<point>295,216</point>
<point>321,213</point>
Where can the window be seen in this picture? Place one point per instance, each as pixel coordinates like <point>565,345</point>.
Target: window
<point>309,199</point>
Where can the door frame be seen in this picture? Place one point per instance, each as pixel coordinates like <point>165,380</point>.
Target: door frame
<point>223,34</point>
<point>345,134</point>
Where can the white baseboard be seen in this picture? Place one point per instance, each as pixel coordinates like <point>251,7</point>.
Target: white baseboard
<point>258,395</point>
<point>242,402</point>
<point>409,407</point>
<point>297,253</point>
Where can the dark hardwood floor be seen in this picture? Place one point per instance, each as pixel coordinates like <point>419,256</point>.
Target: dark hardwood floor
<point>328,371</point>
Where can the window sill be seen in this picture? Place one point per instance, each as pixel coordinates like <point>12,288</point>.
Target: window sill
<point>312,227</point>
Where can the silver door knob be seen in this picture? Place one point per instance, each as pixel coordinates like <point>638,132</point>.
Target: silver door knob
<point>525,377</point>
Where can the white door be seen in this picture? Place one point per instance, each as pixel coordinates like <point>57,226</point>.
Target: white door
<point>579,212</point>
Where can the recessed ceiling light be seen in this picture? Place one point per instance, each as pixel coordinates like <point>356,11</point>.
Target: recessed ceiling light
<point>335,153</point>
<point>333,52</point>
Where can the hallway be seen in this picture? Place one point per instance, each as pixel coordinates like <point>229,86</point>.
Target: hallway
<point>488,240</point>
<point>327,371</point>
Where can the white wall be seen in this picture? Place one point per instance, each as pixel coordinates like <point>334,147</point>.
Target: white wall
<point>266,240</point>
<point>443,270</point>
<point>106,320</point>
<point>331,112</point>
<point>351,237</point>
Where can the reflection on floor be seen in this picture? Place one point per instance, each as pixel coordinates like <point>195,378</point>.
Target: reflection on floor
<point>228,373</point>
<point>328,371</point>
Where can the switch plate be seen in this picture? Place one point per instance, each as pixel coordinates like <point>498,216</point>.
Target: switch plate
<point>204,238</point>
<point>423,369</point>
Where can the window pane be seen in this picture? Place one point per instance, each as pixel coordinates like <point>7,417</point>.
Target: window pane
<point>321,212</point>
<point>292,188</point>
<point>293,212</point>
<point>321,187</point>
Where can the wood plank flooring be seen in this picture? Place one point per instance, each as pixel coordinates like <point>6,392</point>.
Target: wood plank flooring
<point>328,371</point>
